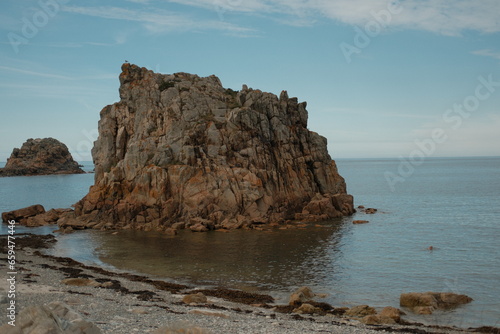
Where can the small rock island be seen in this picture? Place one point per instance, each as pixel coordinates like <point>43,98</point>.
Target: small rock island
<point>182,151</point>
<point>41,157</point>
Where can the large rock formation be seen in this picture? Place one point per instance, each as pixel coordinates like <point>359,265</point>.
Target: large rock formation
<point>41,157</point>
<point>179,148</point>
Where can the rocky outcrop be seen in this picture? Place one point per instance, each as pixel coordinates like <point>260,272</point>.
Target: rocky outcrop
<point>427,302</point>
<point>22,215</point>
<point>35,215</point>
<point>179,148</point>
<point>41,157</point>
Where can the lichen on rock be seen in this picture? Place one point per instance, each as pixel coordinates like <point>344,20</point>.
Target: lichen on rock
<point>182,148</point>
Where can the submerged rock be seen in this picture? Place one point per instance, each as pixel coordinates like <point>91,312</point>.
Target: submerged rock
<point>182,148</point>
<point>41,157</point>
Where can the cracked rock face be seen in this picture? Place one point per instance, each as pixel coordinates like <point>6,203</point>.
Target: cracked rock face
<point>41,157</point>
<point>179,148</point>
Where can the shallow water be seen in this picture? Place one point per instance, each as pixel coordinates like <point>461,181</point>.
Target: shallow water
<point>451,204</point>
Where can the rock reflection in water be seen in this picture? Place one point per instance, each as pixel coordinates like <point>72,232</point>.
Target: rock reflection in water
<point>243,259</point>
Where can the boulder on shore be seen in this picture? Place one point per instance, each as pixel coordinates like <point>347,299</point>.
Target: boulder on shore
<point>427,302</point>
<point>35,215</point>
<point>360,311</point>
<point>388,315</point>
<point>41,157</point>
<point>55,317</point>
<point>301,295</point>
<point>182,148</point>
<point>21,215</point>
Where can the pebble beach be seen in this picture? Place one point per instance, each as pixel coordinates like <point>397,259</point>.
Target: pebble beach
<point>123,303</point>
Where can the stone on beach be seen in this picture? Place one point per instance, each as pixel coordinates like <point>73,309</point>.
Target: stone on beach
<point>181,330</point>
<point>209,313</point>
<point>360,311</point>
<point>194,298</point>
<point>392,312</point>
<point>388,315</point>
<point>306,308</point>
<point>52,318</point>
<point>301,295</point>
<point>81,282</point>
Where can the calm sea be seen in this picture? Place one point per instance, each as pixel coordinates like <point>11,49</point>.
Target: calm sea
<point>452,204</point>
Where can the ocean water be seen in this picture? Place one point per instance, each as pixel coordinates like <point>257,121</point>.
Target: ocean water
<point>451,204</point>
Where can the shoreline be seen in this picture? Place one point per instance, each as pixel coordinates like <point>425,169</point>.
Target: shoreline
<point>128,303</point>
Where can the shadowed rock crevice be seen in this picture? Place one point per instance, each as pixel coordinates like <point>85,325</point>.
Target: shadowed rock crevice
<point>182,148</point>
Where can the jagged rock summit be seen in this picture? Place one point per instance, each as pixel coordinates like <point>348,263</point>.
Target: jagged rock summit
<point>181,149</point>
<point>41,157</point>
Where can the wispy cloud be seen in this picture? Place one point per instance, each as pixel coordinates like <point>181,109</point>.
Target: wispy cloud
<point>33,73</point>
<point>361,112</point>
<point>231,5</point>
<point>42,72</point>
<point>55,91</point>
<point>447,17</point>
<point>157,21</point>
<point>487,53</point>
<point>118,40</point>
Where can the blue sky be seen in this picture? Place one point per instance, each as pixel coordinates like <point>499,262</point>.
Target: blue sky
<point>381,78</point>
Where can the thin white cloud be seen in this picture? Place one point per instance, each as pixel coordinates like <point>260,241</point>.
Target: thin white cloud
<point>33,73</point>
<point>352,111</point>
<point>230,5</point>
<point>157,21</point>
<point>56,91</point>
<point>118,40</point>
<point>447,17</point>
<point>487,53</point>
